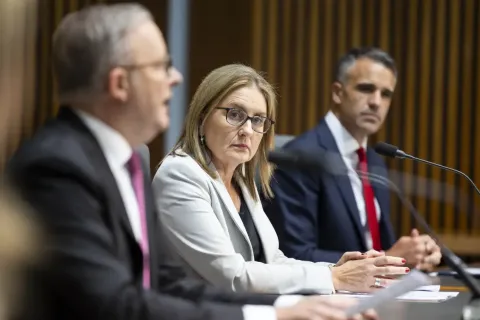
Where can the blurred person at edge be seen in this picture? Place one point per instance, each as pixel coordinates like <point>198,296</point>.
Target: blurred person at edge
<point>208,202</point>
<point>85,178</point>
<point>319,215</point>
<point>20,237</point>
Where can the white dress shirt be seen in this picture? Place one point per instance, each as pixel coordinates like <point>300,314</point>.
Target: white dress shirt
<point>348,146</point>
<point>117,151</point>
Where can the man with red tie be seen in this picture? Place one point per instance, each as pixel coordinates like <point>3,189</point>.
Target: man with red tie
<point>319,216</point>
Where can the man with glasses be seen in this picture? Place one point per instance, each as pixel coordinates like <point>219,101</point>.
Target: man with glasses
<point>83,176</point>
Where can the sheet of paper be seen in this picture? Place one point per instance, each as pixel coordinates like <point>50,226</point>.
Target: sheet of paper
<point>413,280</point>
<point>431,288</point>
<point>419,296</point>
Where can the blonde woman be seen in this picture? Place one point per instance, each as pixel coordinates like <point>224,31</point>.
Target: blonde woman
<point>209,205</point>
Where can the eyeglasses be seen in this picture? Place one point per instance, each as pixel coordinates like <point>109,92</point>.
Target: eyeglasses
<point>165,64</point>
<point>237,117</point>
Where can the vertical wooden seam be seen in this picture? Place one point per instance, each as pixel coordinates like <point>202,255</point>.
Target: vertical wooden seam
<point>384,34</point>
<point>312,103</point>
<point>257,33</point>
<point>409,107</point>
<point>452,106</point>
<point>272,41</point>
<point>299,76</point>
<point>341,26</point>
<point>357,23</point>
<point>436,106</point>
<point>284,108</point>
<point>466,156</point>
<point>327,47</point>
<point>424,107</point>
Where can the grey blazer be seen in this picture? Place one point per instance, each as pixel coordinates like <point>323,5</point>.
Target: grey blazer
<point>206,234</point>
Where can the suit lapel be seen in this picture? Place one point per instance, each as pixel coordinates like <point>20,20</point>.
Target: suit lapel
<point>112,194</point>
<point>342,182</point>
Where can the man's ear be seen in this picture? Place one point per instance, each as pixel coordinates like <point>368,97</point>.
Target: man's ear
<point>337,92</point>
<point>118,86</point>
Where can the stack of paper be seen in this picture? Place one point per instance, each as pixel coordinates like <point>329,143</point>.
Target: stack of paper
<point>404,290</point>
<point>419,296</point>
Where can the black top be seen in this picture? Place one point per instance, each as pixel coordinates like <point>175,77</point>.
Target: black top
<point>251,231</point>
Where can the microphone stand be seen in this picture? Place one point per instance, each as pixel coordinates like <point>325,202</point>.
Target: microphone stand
<point>472,310</point>
<point>401,155</point>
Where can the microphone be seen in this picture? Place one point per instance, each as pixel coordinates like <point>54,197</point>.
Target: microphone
<point>298,159</point>
<point>392,151</point>
<point>451,259</point>
<point>312,160</point>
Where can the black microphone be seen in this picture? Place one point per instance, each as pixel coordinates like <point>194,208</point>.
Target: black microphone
<point>389,150</point>
<point>311,160</point>
<point>451,259</point>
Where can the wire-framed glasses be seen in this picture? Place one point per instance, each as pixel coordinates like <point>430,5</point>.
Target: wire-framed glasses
<point>237,117</point>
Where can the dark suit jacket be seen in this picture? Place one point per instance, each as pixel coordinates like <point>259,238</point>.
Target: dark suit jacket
<point>315,213</point>
<point>95,266</point>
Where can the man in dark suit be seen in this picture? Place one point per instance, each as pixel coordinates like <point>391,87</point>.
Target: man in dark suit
<point>318,216</point>
<point>83,175</point>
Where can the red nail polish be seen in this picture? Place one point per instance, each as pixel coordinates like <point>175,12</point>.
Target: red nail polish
<point>403,260</point>
<point>407,270</point>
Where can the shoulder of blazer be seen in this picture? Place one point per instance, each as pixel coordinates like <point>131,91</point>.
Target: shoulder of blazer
<point>179,167</point>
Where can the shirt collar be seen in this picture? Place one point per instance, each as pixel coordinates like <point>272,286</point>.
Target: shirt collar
<point>346,143</point>
<point>115,147</point>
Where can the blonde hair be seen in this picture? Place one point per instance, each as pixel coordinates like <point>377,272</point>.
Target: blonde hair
<point>213,90</point>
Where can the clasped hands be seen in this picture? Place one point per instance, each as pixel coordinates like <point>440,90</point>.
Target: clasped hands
<point>420,251</point>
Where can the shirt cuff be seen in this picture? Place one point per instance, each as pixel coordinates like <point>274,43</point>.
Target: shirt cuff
<point>287,300</point>
<point>251,312</point>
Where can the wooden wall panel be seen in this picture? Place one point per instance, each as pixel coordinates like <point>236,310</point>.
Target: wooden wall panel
<point>17,60</point>
<point>433,114</point>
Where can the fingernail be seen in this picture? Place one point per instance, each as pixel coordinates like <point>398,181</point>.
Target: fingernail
<point>403,260</point>
<point>407,270</point>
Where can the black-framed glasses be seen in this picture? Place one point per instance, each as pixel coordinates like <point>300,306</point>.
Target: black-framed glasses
<point>237,117</point>
<point>165,64</point>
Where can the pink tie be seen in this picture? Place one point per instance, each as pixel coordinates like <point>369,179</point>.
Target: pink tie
<point>136,172</point>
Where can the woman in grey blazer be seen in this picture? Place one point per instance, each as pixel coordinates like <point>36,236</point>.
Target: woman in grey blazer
<point>207,199</point>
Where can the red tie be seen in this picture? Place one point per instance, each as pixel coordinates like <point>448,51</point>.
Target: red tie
<point>369,201</point>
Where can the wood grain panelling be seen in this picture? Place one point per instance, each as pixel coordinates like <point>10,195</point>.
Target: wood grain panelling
<point>434,111</point>
<point>17,60</point>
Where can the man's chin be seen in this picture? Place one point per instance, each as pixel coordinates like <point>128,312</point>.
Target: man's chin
<point>370,128</point>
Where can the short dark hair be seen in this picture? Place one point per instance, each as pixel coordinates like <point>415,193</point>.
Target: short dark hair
<point>372,53</point>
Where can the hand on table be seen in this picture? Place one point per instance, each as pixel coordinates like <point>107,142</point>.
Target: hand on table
<point>369,273</point>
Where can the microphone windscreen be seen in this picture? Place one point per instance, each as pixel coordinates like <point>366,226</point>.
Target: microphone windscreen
<point>297,159</point>
<point>318,160</point>
<point>386,149</point>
